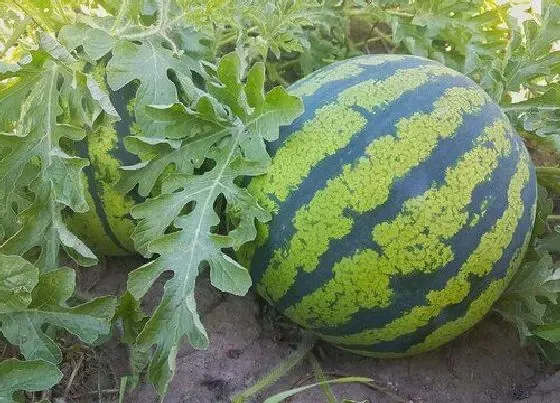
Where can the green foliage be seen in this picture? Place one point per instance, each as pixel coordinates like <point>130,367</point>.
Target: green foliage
<point>261,26</point>
<point>240,153</point>
<point>27,376</point>
<point>204,76</point>
<point>51,102</point>
<point>32,300</point>
<point>532,68</point>
<point>536,285</point>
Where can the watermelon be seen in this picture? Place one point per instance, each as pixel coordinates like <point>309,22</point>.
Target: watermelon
<point>402,204</point>
<point>107,226</point>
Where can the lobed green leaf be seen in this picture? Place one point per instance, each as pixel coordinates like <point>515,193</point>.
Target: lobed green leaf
<point>29,376</point>
<point>33,300</point>
<point>184,238</point>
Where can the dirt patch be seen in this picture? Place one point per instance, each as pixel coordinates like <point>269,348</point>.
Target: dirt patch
<point>484,365</point>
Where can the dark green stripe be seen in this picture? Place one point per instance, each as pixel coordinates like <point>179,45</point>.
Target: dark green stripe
<point>478,284</point>
<point>413,288</point>
<point>281,228</point>
<point>447,153</point>
<point>89,171</point>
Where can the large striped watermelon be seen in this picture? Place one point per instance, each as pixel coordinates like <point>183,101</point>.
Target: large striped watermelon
<point>402,202</point>
<point>107,226</point>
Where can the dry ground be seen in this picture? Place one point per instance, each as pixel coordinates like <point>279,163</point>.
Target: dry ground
<point>485,365</point>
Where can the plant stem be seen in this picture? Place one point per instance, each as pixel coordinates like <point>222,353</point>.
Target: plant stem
<point>120,16</point>
<point>525,108</point>
<point>399,14</point>
<point>279,371</point>
<point>160,25</point>
<point>372,384</point>
<point>385,39</point>
<point>320,376</point>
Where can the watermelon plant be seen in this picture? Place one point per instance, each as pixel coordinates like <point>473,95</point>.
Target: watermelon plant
<point>136,127</point>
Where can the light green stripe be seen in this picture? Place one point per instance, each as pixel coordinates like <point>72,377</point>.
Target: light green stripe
<point>450,330</point>
<point>343,71</point>
<point>414,241</point>
<point>89,227</point>
<point>480,263</point>
<point>365,185</point>
<point>116,205</point>
<point>304,149</point>
<point>371,94</point>
<point>477,309</point>
<point>332,128</point>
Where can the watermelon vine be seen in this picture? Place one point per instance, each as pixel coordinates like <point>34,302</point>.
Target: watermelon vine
<point>208,93</point>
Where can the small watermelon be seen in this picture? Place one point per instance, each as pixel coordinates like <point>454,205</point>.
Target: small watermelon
<point>402,204</point>
<point>107,226</point>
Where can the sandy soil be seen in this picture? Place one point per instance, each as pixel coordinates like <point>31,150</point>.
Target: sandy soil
<point>246,341</point>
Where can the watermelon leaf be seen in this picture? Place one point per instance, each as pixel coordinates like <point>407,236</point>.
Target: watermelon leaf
<point>535,57</point>
<point>549,332</point>
<point>201,127</point>
<point>202,121</point>
<point>149,63</point>
<point>540,114</point>
<point>532,297</point>
<point>29,376</point>
<point>31,131</point>
<point>17,280</point>
<point>33,300</point>
<point>238,152</point>
<point>525,302</point>
<point>532,67</point>
<point>96,42</point>
<point>281,24</point>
